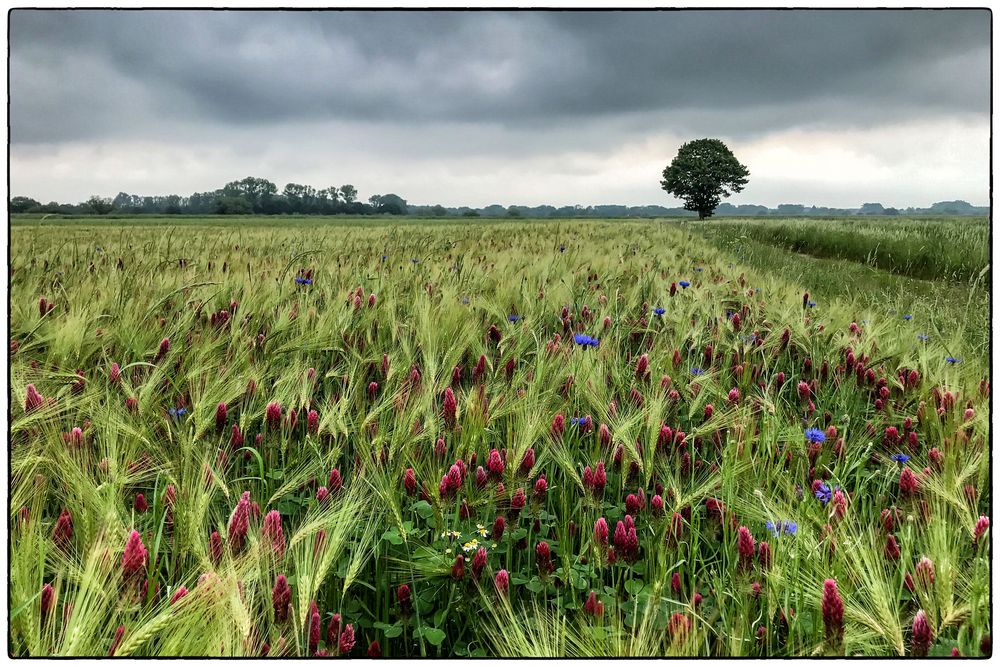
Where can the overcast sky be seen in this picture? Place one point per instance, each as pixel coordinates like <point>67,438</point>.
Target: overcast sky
<point>830,108</point>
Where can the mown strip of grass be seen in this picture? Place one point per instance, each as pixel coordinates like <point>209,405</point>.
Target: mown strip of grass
<point>950,308</point>
<point>955,249</point>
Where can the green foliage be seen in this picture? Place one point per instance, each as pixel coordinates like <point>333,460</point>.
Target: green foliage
<point>119,289</point>
<point>703,172</point>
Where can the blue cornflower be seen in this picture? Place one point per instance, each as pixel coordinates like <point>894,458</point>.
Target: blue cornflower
<point>684,284</point>
<point>659,311</point>
<point>303,281</point>
<point>729,314</point>
<point>562,247</point>
<point>781,528</point>
<point>697,371</point>
<point>923,337</point>
<point>953,360</point>
<point>465,300</point>
<point>513,318</point>
<point>811,304</point>
<point>900,458</point>
<point>385,257</point>
<point>823,493</point>
<point>578,421</point>
<point>907,317</point>
<point>699,269</point>
<point>177,412</point>
<point>585,340</point>
<point>815,435</point>
<point>749,339</point>
<point>414,260</point>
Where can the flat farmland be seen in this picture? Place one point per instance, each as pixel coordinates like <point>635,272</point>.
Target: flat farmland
<point>497,438</point>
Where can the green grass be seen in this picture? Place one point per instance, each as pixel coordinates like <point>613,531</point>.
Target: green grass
<point>955,249</point>
<point>120,288</point>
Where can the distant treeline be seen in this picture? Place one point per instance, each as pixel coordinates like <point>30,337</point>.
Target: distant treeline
<point>260,196</point>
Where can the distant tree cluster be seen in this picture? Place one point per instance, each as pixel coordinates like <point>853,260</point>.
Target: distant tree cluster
<point>259,196</point>
<point>249,196</point>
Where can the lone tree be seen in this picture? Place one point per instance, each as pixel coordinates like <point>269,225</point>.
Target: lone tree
<point>704,171</point>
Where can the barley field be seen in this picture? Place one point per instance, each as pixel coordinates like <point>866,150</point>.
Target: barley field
<point>507,439</point>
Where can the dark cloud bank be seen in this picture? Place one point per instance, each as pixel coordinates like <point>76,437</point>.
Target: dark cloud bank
<point>474,84</point>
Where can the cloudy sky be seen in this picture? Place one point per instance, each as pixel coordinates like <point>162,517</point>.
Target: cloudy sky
<point>830,108</point>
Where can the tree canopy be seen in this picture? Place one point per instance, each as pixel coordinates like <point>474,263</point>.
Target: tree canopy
<point>704,172</point>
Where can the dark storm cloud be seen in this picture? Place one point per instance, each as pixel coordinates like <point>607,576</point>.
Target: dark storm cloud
<point>85,75</point>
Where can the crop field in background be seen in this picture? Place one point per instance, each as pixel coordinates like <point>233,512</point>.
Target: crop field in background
<point>309,437</point>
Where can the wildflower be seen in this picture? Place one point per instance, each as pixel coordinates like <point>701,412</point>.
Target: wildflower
<point>921,637</point>
<point>908,483</point>
<point>925,572</point>
<point>450,407</point>
<point>134,558</point>
<point>528,462</point>
<point>33,400</point>
<point>140,505</point>
<point>541,486</point>
<point>314,629</point>
<point>593,606</point>
<point>271,531</point>
<point>479,562</point>
<point>517,503</point>
<point>744,546</point>
<point>273,415</point>
<point>923,337</point>
<point>678,626</point>
<point>982,525</point>
<point>215,547</point>
<point>696,371</point>
<point>953,360</point>
<point>543,559</point>
<point>499,526</point>
<point>558,426</point>
<point>410,482</point>
<point>900,458</point>
<point>221,412</point>
<point>502,582</point>
<point>458,569</point>
<point>48,601</point>
<point>822,492</point>
<point>601,533</point>
<point>907,317</point>
<point>584,340</point>
<point>403,598</point>
<point>659,311</point>
<point>513,318</point>
<point>239,523</point>
<point>815,435</point>
<point>600,479</point>
<point>781,528</point>
<point>346,642</point>
<point>833,611</point>
<point>181,592</point>
<point>684,284</point>
<point>764,554</point>
<point>334,481</point>
<point>119,633</point>
<point>891,550</point>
